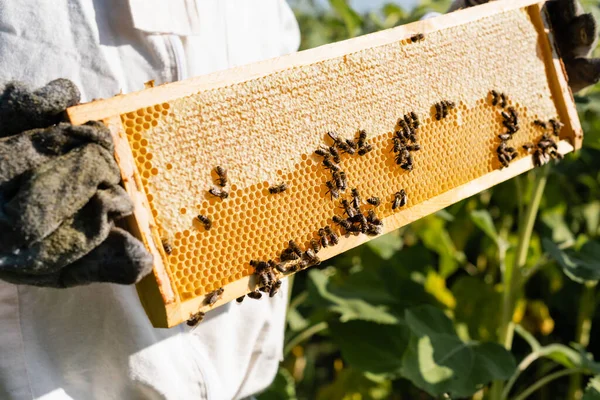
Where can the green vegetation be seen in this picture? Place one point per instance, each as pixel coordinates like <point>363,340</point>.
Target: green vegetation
<point>494,297</point>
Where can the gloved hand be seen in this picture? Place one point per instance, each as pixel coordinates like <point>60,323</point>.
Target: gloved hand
<point>575,34</point>
<point>60,195</point>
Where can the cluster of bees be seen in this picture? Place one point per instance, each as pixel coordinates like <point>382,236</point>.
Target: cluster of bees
<point>510,120</point>
<point>443,108</point>
<point>405,140</point>
<point>545,149</point>
<point>355,219</point>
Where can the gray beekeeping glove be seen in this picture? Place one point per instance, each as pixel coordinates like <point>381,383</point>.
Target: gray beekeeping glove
<point>576,35</point>
<point>60,195</point>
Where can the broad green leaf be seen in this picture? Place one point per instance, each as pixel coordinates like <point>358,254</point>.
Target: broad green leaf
<point>554,219</point>
<point>591,213</point>
<point>295,320</point>
<point>352,20</point>
<point>348,308</point>
<point>580,266</point>
<point>352,384</point>
<point>435,285</point>
<point>432,231</point>
<point>387,245</point>
<point>483,220</point>
<point>282,388</point>
<point>438,362</point>
<point>371,347</point>
<point>592,391</point>
<point>477,305</point>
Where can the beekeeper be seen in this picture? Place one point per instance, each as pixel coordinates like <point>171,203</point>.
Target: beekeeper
<point>61,338</point>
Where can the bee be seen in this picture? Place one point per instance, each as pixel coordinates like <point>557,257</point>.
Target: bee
<point>362,138</point>
<point>315,246</point>
<point>495,96</point>
<point>344,223</point>
<point>264,278</point>
<point>501,148</point>
<point>275,288</point>
<point>167,246</point>
<point>255,294</point>
<point>375,201</point>
<point>439,111</point>
<point>278,266</point>
<point>332,189</point>
<point>259,266</point>
<point>402,156</point>
<point>220,193</point>
<point>345,147</point>
<point>504,136</point>
<point>400,199</point>
<point>195,319</point>
<point>222,176</point>
<point>362,221</point>
<point>330,165</point>
<point>373,230</point>
<point>528,146</point>
<point>448,104</point>
<point>514,115</point>
<point>213,296</point>
<point>413,147</point>
<point>205,221</point>
<point>415,119</point>
<point>413,137</point>
<point>556,126</point>
<point>294,247</point>
<point>323,236</point>
<point>282,187</point>
<point>334,154</point>
<point>372,218</point>
<point>403,125</point>
<point>322,152</point>
<point>503,158</point>
<point>311,257</point>
<point>340,180</point>
<point>407,166</point>
<point>348,208</point>
<point>365,149</point>
<point>398,145</point>
<point>332,236</point>
<point>288,255</point>
<point>541,124</point>
<point>334,136</point>
<point>351,143</point>
<point>241,298</point>
<point>417,37</point>
<point>511,127</point>
<point>355,198</point>
<point>502,100</point>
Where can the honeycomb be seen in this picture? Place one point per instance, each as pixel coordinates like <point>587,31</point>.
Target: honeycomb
<point>265,130</point>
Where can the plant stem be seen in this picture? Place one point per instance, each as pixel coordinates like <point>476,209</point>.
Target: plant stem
<point>302,336</point>
<point>512,273</point>
<point>545,380</point>
<point>587,305</point>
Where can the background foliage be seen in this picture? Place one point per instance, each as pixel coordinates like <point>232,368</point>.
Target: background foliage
<point>418,313</point>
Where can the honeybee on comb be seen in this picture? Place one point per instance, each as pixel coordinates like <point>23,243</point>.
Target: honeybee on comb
<point>332,189</point>
<point>375,201</point>
<point>340,180</point>
<point>205,221</point>
<point>221,176</point>
<point>167,246</point>
<point>541,124</point>
<point>355,198</point>
<point>417,37</point>
<point>331,165</point>
<point>274,288</point>
<point>362,138</point>
<point>344,223</point>
<point>323,238</point>
<point>294,247</point>
<point>220,193</point>
<point>556,126</point>
<point>333,238</point>
<point>280,188</point>
<point>195,319</point>
<point>315,246</point>
<point>255,294</point>
<point>400,199</point>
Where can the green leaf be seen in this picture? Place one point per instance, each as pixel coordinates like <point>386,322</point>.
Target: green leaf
<point>387,245</point>
<point>582,266</point>
<point>554,219</point>
<point>371,347</point>
<point>483,220</point>
<point>592,391</point>
<point>569,357</point>
<point>352,20</point>
<point>282,388</point>
<point>352,384</point>
<point>591,214</point>
<point>438,362</point>
<point>477,305</point>
<point>433,233</point>
<point>348,308</point>
<point>435,285</point>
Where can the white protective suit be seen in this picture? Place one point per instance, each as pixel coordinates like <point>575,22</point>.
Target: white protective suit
<point>95,342</point>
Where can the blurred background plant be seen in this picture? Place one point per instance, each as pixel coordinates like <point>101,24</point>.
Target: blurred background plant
<point>426,312</point>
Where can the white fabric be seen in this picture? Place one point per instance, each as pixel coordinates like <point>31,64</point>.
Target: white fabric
<point>95,342</point>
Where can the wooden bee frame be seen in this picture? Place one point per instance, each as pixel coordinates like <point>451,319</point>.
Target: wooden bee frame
<point>263,122</point>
